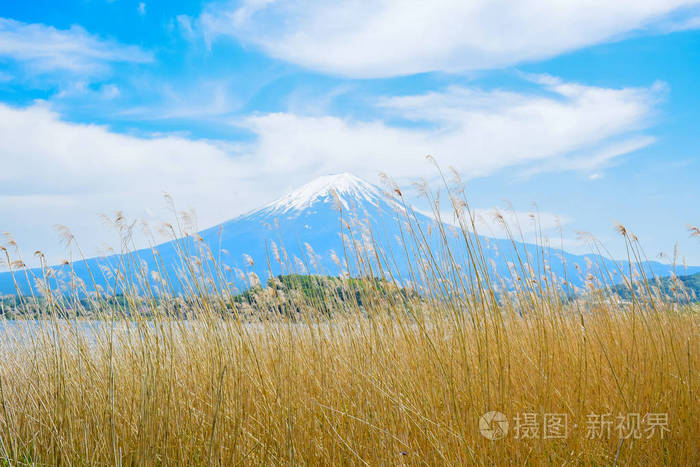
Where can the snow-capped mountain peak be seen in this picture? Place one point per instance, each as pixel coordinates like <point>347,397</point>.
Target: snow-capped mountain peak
<point>348,188</point>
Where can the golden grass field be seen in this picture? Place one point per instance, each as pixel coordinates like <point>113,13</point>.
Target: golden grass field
<point>398,379</point>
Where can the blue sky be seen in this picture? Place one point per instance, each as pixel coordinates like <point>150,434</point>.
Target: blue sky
<point>589,112</point>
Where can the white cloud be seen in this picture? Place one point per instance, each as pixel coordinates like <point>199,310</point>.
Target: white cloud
<point>684,23</point>
<point>566,126</point>
<point>141,8</point>
<point>590,162</point>
<point>397,37</point>
<point>109,91</point>
<point>199,99</point>
<point>43,154</point>
<point>53,171</point>
<point>184,25</point>
<point>43,49</point>
<point>82,89</point>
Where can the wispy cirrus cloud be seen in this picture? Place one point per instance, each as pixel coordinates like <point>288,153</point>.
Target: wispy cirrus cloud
<point>42,49</point>
<point>562,126</point>
<point>683,24</point>
<point>400,37</point>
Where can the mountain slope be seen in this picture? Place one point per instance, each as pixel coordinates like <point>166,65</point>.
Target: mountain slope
<point>310,230</point>
<point>681,288</point>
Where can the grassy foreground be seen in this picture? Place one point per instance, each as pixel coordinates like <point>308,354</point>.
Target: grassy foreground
<point>374,390</point>
<point>393,378</point>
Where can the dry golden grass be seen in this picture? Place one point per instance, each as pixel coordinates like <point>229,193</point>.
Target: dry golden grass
<point>375,390</point>
<point>394,381</point>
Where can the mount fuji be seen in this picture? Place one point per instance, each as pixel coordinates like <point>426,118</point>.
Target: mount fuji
<point>306,231</point>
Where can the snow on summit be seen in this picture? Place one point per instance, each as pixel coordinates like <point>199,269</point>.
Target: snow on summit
<point>347,186</point>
